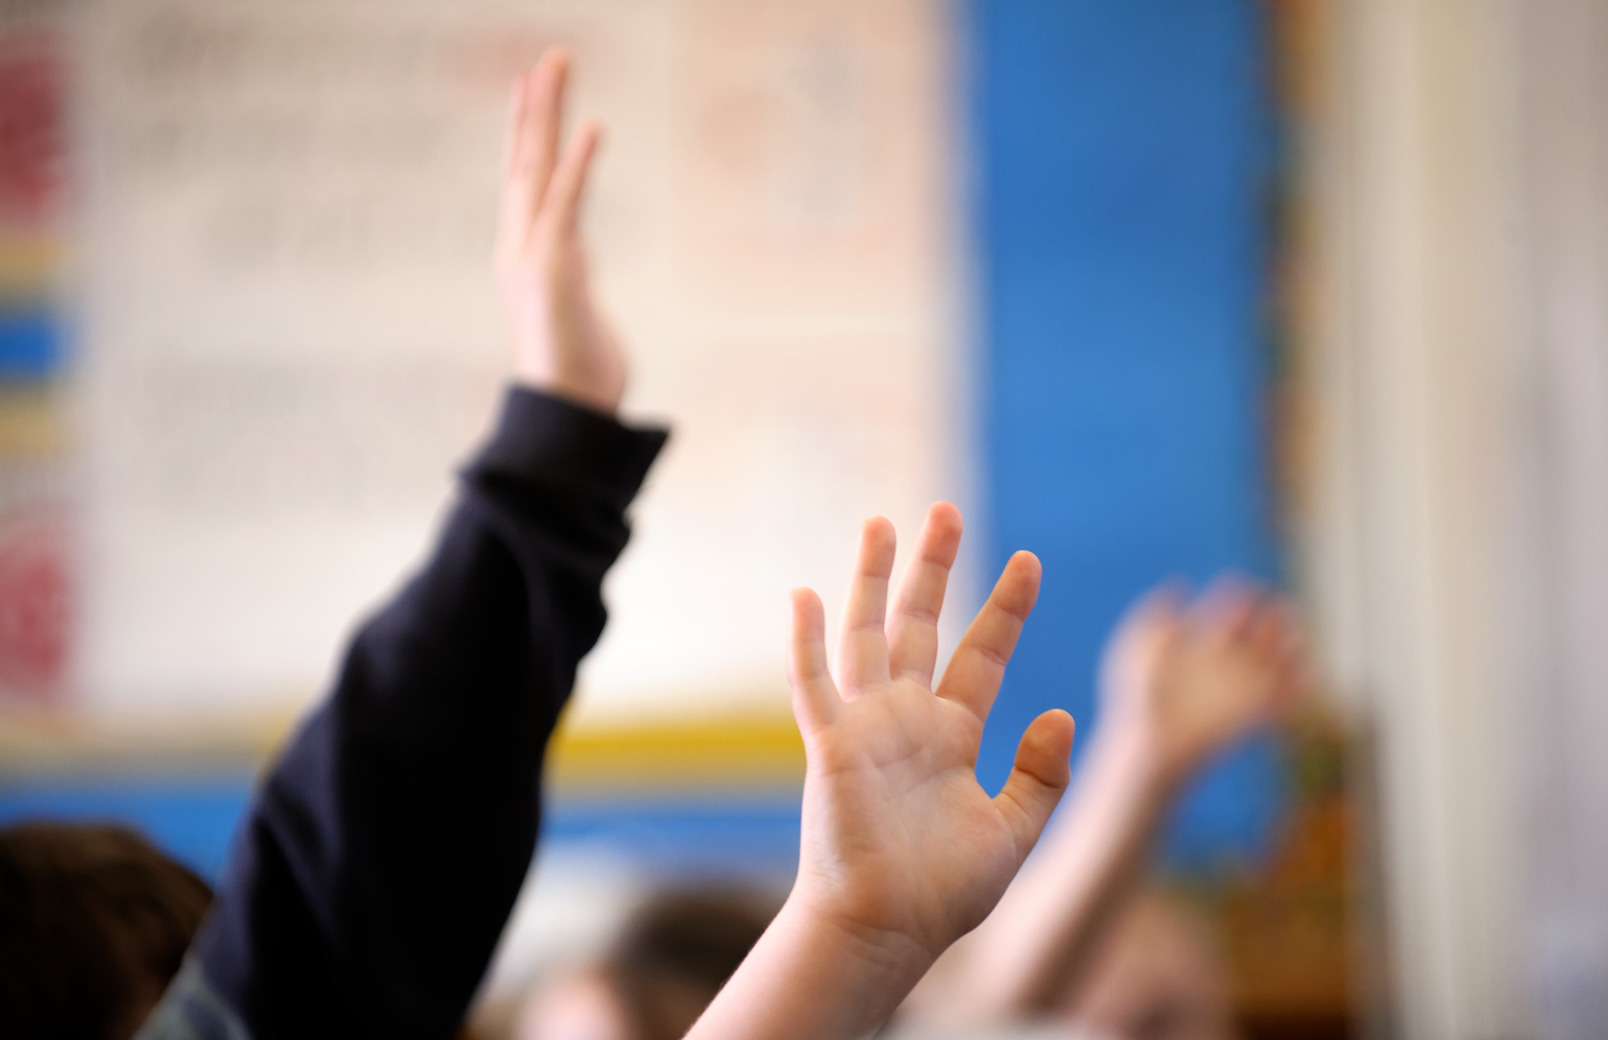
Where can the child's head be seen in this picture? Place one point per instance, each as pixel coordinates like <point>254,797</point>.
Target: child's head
<point>94,921</point>
<point>669,961</point>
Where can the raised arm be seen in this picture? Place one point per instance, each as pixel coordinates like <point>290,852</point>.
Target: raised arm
<point>1180,682</point>
<point>380,858</point>
<point>902,851</point>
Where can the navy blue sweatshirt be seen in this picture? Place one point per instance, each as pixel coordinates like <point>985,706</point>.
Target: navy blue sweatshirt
<point>380,858</point>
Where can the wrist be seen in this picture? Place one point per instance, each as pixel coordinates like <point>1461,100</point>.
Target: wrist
<point>888,958</point>
<point>813,976</point>
<point>1126,747</point>
<point>603,400</point>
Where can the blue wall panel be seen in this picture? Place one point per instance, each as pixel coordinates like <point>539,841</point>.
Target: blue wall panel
<point>1120,150</point>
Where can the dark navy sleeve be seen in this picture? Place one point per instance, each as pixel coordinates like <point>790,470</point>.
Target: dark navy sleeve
<point>382,854</point>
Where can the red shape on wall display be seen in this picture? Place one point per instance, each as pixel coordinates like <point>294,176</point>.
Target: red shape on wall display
<point>32,127</point>
<point>35,609</point>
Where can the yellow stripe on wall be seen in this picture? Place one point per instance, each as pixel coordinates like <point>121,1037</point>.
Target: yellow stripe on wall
<point>29,266</point>
<point>31,426</point>
<point>718,754</point>
<point>714,753</point>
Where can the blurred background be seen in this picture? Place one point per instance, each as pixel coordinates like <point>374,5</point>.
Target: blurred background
<point>1313,290</point>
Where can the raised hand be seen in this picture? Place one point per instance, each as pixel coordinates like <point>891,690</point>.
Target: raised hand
<point>900,843</point>
<point>561,344</point>
<point>1184,680</point>
<point>902,851</point>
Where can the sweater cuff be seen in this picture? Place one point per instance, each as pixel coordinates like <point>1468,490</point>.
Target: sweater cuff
<point>552,441</point>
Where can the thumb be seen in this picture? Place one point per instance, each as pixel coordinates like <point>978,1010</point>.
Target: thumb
<point>1038,779</point>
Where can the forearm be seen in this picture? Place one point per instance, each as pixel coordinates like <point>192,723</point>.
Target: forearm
<point>812,978</point>
<point>1039,939</point>
<point>378,863</point>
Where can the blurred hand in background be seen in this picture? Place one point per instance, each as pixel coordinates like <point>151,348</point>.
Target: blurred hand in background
<point>561,343</point>
<point>1180,681</point>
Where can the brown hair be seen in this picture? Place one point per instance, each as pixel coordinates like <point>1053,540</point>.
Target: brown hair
<point>94,922</point>
<point>676,952</point>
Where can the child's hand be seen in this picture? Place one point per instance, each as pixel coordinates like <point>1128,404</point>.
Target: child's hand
<point>561,344</point>
<point>902,851</point>
<point>1182,681</point>
<point>901,846</point>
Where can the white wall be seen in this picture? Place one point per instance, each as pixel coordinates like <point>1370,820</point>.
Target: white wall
<point>1556,383</point>
<point>1411,593</point>
<point>1461,561</point>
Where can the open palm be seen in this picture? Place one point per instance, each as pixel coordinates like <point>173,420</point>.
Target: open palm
<point>898,837</point>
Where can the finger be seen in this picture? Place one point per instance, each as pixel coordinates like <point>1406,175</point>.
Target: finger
<point>541,129</point>
<point>532,145</point>
<point>863,644</point>
<point>562,205</point>
<point>1147,633</point>
<point>913,626</point>
<point>1295,664</point>
<point>515,212</point>
<point>1164,603</point>
<point>1268,629</point>
<point>1227,609</point>
<point>514,136</point>
<point>815,699</point>
<point>1153,619</point>
<point>1038,779</point>
<point>978,667</point>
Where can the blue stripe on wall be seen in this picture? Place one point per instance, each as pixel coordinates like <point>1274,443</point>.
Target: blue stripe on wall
<point>32,344</point>
<point>191,817</point>
<point>1121,148</point>
<point>194,818</point>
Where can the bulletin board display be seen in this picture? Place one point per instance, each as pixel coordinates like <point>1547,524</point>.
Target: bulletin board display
<point>250,326</point>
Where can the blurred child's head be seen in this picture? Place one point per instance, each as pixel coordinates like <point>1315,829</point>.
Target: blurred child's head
<point>669,961</point>
<point>94,921</point>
